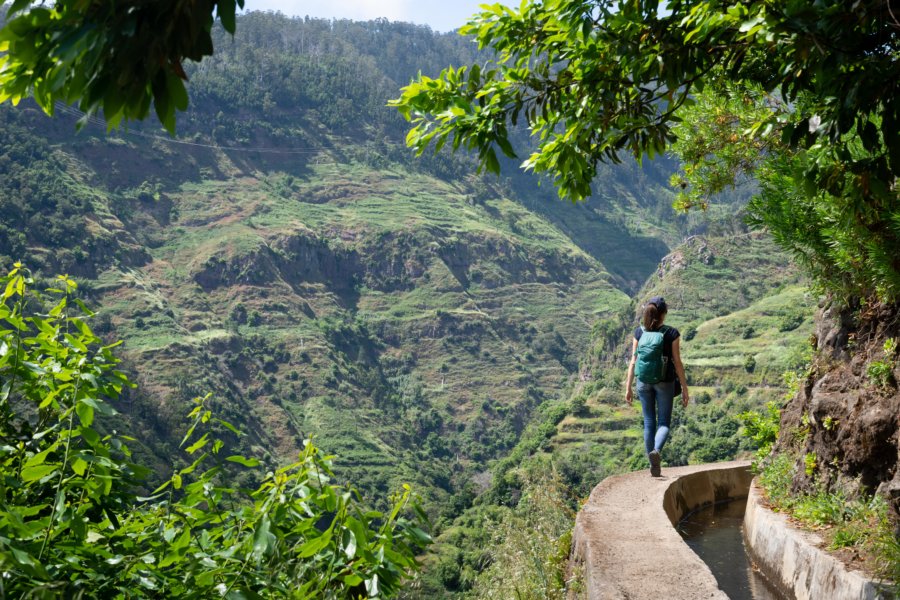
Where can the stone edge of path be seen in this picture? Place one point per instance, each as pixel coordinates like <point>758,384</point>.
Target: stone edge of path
<point>624,543</point>
<point>792,560</point>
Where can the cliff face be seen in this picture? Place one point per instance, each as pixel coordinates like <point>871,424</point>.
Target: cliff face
<point>846,415</point>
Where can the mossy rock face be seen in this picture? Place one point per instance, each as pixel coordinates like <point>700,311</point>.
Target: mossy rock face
<point>843,417</point>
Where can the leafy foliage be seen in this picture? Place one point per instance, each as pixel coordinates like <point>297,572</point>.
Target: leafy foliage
<point>861,522</point>
<point>828,204</point>
<point>594,78</point>
<point>71,524</point>
<point>43,205</point>
<point>762,428</point>
<point>531,543</point>
<point>114,58</point>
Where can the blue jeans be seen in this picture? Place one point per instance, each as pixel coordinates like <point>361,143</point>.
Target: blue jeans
<point>656,404</point>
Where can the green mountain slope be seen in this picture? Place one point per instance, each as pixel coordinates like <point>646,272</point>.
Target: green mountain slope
<point>287,255</point>
<point>732,298</point>
<point>300,267</point>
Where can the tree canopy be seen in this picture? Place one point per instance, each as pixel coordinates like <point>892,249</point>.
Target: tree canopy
<point>117,57</point>
<point>594,80</point>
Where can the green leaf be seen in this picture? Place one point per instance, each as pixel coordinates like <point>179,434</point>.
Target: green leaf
<point>490,161</point>
<point>37,472</point>
<point>262,539</point>
<point>349,542</point>
<point>177,93</point>
<point>28,561</point>
<point>228,426</point>
<point>247,462</point>
<point>198,444</point>
<point>422,538</point>
<point>85,413</point>
<point>314,545</point>
<point>79,466</point>
<point>226,10</point>
<point>84,308</point>
<point>41,457</point>
<point>360,533</point>
<point>506,147</point>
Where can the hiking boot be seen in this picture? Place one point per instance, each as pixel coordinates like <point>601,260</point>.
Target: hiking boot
<point>655,460</point>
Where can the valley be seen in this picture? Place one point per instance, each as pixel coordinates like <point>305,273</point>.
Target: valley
<point>423,323</point>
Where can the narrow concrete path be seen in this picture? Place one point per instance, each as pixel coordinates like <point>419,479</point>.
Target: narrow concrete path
<point>625,542</point>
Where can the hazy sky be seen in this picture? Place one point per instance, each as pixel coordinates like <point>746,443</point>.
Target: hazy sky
<point>441,15</point>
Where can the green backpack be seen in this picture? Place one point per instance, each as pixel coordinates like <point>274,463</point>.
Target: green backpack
<point>651,363</point>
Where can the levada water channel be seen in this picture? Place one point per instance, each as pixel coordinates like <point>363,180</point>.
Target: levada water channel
<point>714,534</point>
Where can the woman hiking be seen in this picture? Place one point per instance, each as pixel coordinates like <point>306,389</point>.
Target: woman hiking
<point>656,360</point>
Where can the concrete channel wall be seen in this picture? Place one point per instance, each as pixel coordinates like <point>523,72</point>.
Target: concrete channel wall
<point>694,491</point>
<point>625,546</point>
<point>791,559</point>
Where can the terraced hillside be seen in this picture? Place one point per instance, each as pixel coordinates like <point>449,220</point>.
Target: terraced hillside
<point>745,315</point>
<point>733,298</point>
<point>427,325</point>
<point>293,260</point>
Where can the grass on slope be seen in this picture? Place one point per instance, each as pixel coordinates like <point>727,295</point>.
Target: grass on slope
<point>410,326</point>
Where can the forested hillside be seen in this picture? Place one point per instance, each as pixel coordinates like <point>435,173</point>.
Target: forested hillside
<point>288,255</point>
<point>427,324</point>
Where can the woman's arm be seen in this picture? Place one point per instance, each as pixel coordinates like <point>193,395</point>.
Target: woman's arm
<point>679,370</point>
<point>629,396</point>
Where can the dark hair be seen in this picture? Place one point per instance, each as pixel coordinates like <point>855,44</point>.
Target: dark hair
<point>653,317</point>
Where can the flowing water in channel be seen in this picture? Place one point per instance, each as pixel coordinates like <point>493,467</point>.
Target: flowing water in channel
<point>714,534</point>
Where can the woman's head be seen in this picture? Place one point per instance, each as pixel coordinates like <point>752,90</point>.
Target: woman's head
<point>654,313</point>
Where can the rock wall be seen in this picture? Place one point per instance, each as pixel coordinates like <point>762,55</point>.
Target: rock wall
<point>846,416</point>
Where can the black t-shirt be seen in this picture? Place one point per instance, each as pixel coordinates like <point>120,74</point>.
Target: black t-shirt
<point>671,334</point>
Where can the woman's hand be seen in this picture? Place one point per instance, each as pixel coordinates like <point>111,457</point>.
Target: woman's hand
<point>685,397</point>
<point>629,396</point>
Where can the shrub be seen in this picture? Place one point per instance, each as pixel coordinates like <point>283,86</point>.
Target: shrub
<point>578,404</point>
<point>762,428</point>
<point>71,523</point>
<point>790,322</point>
<point>239,314</point>
<point>749,363</point>
<point>531,544</point>
<point>861,522</point>
<point>880,373</point>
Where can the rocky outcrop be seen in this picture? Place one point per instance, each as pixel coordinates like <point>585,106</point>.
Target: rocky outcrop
<point>845,420</point>
<point>301,257</point>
